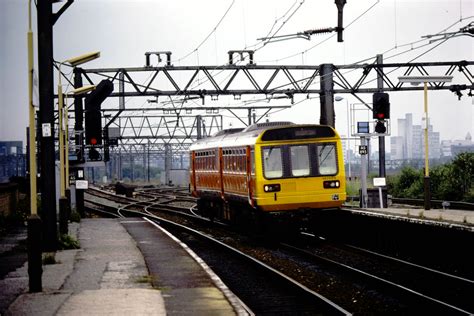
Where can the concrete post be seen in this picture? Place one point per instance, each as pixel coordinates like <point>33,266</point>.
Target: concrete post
<point>35,268</point>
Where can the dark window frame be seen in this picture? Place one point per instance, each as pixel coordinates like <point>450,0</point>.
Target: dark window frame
<point>313,158</point>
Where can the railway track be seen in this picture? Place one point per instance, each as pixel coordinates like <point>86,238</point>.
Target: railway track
<point>250,279</point>
<point>356,279</point>
<point>429,290</point>
<point>262,288</point>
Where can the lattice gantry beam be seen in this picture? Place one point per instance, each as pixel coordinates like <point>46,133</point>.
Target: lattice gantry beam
<point>254,79</point>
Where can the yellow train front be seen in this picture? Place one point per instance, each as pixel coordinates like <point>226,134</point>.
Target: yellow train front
<point>268,168</point>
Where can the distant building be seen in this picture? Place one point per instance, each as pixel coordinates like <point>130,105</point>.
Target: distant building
<point>11,148</point>
<point>410,141</point>
<point>451,148</point>
<point>12,160</point>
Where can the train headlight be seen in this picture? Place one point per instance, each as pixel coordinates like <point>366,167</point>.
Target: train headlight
<point>333,184</point>
<point>272,187</point>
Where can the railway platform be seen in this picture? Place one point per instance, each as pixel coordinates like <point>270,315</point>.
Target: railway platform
<point>435,216</point>
<point>123,267</point>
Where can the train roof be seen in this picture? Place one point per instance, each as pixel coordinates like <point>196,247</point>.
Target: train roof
<point>249,136</point>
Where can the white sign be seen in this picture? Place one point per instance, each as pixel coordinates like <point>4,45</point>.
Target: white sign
<point>46,129</point>
<point>379,182</point>
<point>82,184</point>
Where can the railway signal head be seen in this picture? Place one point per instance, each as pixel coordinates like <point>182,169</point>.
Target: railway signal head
<point>93,117</point>
<point>94,155</point>
<point>381,106</point>
<point>380,127</point>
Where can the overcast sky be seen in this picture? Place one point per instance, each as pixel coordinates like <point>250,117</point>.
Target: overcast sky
<point>201,33</point>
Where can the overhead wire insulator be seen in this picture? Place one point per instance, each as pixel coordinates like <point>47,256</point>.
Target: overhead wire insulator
<point>468,28</point>
<point>318,31</point>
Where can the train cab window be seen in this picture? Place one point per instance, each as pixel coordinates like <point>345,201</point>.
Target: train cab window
<point>272,162</point>
<point>299,157</point>
<point>327,159</point>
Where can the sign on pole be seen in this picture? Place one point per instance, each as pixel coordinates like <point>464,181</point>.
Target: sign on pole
<point>82,184</point>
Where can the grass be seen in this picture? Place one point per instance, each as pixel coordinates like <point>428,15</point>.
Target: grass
<point>352,187</point>
<point>145,279</point>
<point>149,279</point>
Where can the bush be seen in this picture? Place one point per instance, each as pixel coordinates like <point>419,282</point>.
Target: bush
<point>449,182</point>
<point>75,217</point>
<point>408,184</point>
<point>68,242</point>
<point>49,258</point>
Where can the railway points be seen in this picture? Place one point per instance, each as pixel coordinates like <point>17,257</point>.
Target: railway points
<point>435,237</point>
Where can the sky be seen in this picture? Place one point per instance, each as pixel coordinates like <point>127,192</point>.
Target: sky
<point>202,32</point>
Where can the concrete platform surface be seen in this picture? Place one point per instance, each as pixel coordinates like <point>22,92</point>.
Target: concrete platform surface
<point>188,285</point>
<point>445,216</point>
<point>108,275</point>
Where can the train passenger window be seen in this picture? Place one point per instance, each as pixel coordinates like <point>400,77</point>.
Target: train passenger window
<point>272,162</point>
<point>252,161</point>
<point>299,157</point>
<point>327,159</point>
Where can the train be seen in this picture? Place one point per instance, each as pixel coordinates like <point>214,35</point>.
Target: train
<point>268,169</point>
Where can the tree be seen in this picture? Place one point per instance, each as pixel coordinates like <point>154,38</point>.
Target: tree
<point>451,182</point>
<point>463,174</point>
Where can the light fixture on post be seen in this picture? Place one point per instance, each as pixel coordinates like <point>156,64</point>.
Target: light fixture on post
<point>63,201</point>
<point>79,60</point>
<point>416,80</point>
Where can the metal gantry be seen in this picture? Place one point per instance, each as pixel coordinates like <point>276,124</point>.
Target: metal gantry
<point>179,84</point>
<point>180,104</point>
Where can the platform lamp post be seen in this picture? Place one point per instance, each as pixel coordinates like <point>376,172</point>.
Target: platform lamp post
<point>35,269</point>
<point>64,211</point>
<point>63,201</point>
<point>416,80</point>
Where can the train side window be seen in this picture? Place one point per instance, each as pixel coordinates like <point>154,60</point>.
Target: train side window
<point>252,161</point>
<point>299,157</point>
<point>238,161</point>
<point>327,159</point>
<point>272,162</point>
<point>242,162</point>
